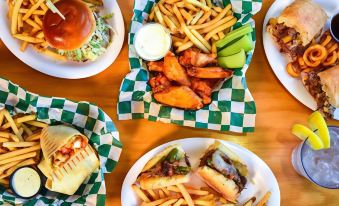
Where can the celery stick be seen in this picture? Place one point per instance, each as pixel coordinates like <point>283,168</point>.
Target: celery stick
<point>239,32</point>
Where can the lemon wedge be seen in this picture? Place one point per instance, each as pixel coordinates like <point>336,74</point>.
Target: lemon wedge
<point>303,132</point>
<point>318,124</point>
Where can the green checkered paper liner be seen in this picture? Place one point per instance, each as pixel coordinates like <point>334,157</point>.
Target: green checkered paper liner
<point>88,119</point>
<point>232,107</point>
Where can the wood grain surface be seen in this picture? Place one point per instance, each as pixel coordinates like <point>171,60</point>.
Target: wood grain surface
<point>272,140</point>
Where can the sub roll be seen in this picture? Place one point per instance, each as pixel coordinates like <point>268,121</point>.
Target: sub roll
<point>324,87</point>
<point>68,159</point>
<point>223,170</point>
<point>167,168</point>
<point>297,26</point>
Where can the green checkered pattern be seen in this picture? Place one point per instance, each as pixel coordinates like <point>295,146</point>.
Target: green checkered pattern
<point>232,107</point>
<point>88,119</point>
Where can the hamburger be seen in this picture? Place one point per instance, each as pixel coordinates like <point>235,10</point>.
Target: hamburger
<point>297,25</point>
<point>323,85</point>
<point>77,31</point>
<point>169,167</point>
<point>223,170</point>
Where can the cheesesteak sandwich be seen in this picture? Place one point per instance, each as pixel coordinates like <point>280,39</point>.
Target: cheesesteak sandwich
<point>324,87</point>
<point>297,26</point>
<point>223,170</point>
<point>68,159</point>
<point>169,167</point>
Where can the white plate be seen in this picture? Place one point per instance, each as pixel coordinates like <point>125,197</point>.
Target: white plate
<point>260,178</point>
<point>278,61</point>
<point>69,69</point>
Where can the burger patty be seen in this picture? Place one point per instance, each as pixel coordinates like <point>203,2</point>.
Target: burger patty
<point>291,47</point>
<point>312,83</point>
<point>220,162</point>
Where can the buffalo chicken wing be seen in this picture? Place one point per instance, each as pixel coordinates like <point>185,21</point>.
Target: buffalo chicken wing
<point>179,96</point>
<point>195,58</point>
<point>209,72</point>
<point>174,71</point>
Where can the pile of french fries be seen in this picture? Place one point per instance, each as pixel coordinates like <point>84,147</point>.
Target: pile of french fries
<point>184,195</point>
<point>193,22</point>
<point>19,143</point>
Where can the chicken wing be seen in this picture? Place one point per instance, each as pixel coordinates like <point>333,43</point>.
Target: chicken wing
<point>209,72</point>
<point>195,58</point>
<point>159,83</point>
<point>204,88</point>
<point>156,66</point>
<point>174,71</point>
<point>179,96</point>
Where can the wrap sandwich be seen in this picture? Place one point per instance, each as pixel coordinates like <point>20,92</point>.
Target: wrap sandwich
<point>223,170</point>
<point>169,167</point>
<point>295,28</point>
<point>68,159</point>
<point>324,87</point>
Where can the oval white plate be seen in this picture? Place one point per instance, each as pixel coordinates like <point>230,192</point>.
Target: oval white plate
<point>260,178</point>
<point>69,69</point>
<point>278,61</point>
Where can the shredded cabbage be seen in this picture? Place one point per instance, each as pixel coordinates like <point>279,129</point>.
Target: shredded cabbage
<point>96,46</point>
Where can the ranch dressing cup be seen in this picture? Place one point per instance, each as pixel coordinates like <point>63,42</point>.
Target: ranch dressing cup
<point>319,166</point>
<point>152,41</point>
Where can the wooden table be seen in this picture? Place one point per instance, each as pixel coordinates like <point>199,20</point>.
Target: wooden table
<point>272,140</point>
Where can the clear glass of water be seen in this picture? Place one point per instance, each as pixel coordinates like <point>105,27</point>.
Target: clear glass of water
<point>322,166</point>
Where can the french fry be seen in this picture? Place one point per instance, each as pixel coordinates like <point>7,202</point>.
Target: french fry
<point>161,194</point>
<point>250,202</point>
<point>207,197</point>
<point>21,164</point>
<point>28,38</point>
<point>214,26</point>
<point>151,15</point>
<point>2,139</point>
<point>220,28</point>
<point>37,20</point>
<point>173,189</point>
<point>201,39</point>
<point>185,194</point>
<point>169,8</point>
<point>171,1</point>
<point>197,17</point>
<point>19,144</point>
<point>34,137</point>
<point>155,202</point>
<point>140,193</point>
<point>32,9</point>
<point>152,194</point>
<point>170,24</point>
<point>4,181</point>
<point>199,4</point>
<point>214,47</point>
<point>178,15</point>
<point>186,15</point>
<point>13,125</point>
<point>169,202</point>
<point>37,124</point>
<point>27,130</point>
<point>19,157</point>
<point>215,20</point>
<point>5,134</point>
<point>33,24</point>
<point>159,16</point>
<point>197,192</point>
<point>221,35</point>
<point>18,152</point>
<point>217,9</point>
<point>23,46</point>
<point>43,6</point>
<point>214,13</point>
<point>1,117</point>
<point>209,3</point>
<point>36,12</point>
<point>195,41</point>
<point>20,23</point>
<point>14,16</point>
<point>179,202</point>
<point>164,10</point>
<point>8,165</point>
<point>184,47</point>
<point>166,191</point>
<point>264,199</point>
